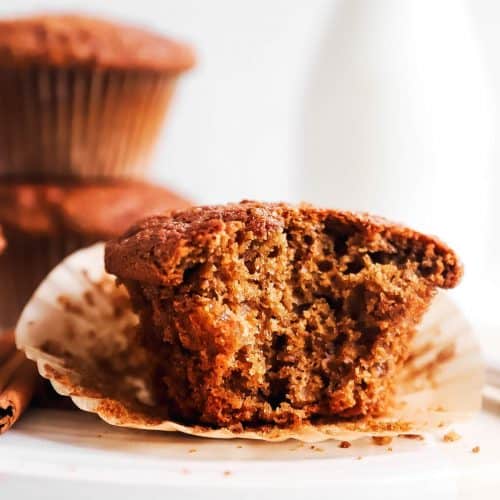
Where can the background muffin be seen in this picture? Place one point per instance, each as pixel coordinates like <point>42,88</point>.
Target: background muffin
<point>44,222</point>
<point>81,96</point>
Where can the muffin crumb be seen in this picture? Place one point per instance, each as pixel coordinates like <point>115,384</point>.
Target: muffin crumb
<point>451,436</point>
<point>476,449</point>
<point>416,437</point>
<point>381,440</point>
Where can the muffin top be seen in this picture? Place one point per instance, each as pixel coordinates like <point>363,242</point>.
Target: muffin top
<point>78,41</point>
<point>168,237</point>
<point>94,211</point>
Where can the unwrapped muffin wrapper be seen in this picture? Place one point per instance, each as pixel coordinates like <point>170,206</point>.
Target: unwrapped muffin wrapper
<point>80,329</point>
<point>80,123</point>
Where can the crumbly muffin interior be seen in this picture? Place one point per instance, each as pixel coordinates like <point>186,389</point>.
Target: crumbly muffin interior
<point>310,320</point>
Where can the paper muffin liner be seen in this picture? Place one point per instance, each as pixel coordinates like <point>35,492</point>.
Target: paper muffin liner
<point>80,123</point>
<point>25,263</point>
<point>80,329</point>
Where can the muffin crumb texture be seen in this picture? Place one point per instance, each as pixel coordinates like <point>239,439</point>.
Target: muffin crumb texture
<point>271,314</point>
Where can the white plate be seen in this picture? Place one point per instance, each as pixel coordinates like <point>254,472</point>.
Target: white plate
<point>57,453</point>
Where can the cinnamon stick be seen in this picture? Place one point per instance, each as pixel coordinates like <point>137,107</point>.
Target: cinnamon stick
<point>18,380</point>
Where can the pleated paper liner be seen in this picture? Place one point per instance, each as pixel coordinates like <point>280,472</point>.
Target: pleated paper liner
<point>80,123</point>
<point>25,263</point>
<point>80,330</point>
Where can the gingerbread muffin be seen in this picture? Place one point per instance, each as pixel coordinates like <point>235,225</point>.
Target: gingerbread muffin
<point>44,222</point>
<point>268,314</point>
<point>83,97</point>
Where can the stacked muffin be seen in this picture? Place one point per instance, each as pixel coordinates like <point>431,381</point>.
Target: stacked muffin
<point>82,102</point>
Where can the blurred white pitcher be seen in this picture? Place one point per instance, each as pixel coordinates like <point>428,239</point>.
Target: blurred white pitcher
<point>398,120</point>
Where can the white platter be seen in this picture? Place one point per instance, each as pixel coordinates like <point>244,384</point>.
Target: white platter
<point>61,454</point>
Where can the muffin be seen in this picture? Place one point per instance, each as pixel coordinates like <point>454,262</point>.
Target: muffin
<point>44,222</point>
<point>83,97</point>
<point>269,314</point>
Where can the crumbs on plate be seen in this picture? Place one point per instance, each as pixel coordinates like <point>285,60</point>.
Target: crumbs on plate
<point>381,440</point>
<point>416,437</point>
<point>451,436</point>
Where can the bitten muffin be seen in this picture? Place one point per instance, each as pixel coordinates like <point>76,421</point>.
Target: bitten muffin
<point>83,97</point>
<point>266,313</point>
<point>44,222</point>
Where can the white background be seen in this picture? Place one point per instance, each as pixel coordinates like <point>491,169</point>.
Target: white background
<point>255,119</point>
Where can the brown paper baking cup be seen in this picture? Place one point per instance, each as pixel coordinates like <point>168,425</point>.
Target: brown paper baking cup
<point>80,123</point>
<point>24,264</point>
<point>80,329</point>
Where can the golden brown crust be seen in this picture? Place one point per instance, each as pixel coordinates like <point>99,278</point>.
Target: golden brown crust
<point>78,41</point>
<point>167,236</point>
<point>93,211</point>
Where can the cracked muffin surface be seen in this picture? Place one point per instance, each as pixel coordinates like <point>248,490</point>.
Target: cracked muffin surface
<point>266,313</point>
